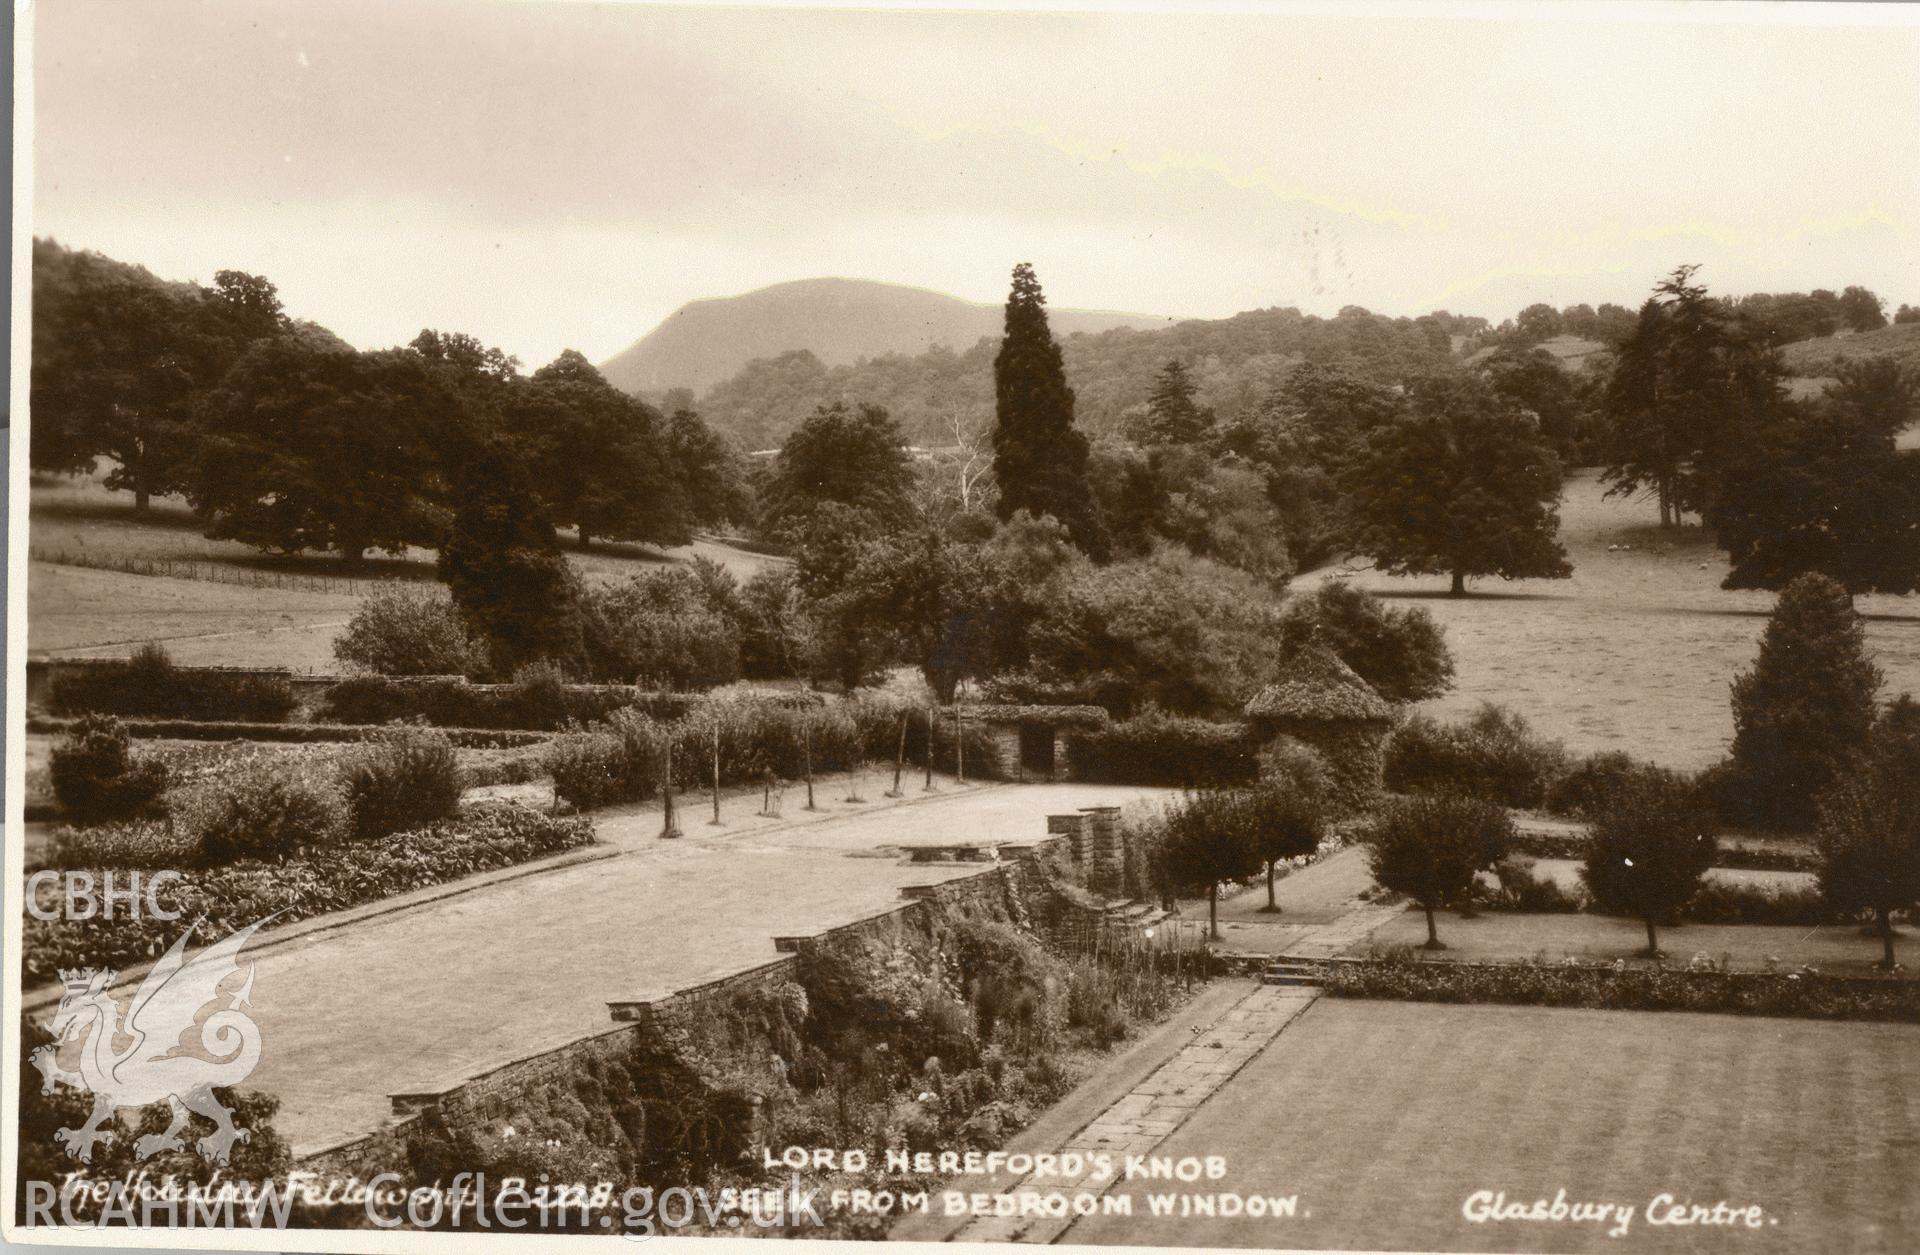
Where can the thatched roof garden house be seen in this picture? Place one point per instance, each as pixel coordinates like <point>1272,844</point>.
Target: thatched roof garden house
<point>1320,701</point>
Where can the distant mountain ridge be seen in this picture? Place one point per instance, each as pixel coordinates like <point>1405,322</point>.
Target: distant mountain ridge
<point>839,321</point>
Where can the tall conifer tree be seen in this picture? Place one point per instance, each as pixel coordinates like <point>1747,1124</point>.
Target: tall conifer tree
<point>1039,459</point>
<point>1806,706</point>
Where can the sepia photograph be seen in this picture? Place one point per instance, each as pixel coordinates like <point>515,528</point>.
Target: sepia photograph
<point>1262,626</point>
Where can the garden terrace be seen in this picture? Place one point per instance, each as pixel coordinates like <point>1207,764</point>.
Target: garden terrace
<point>550,951</point>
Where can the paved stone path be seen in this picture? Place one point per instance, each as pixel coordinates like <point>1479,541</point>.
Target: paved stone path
<point>420,998</point>
<point>1344,933</point>
<point>1155,1108</point>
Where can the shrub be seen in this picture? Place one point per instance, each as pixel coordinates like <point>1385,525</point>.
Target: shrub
<point>96,777</point>
<point>620,759</point>
<point>1157,748</point>
<point>877,723</point>
<point>1493,756</point>
<point>134,843</point>
<point>1722,902</point>
<point>262,810</point>
<point>1582,790</point>
<point>1173,630</point>
<point>538,695</point>
<point>1761,858</point>
<point>1401,653</point>
<point>1649,849</point>
<point>408,777</point>
<point>148,683</point>
<point>1804,708</point>
<point>669,629</point>
<point>227,897</point>
<point>1431,846</point>
<point>1522,890</point>
<point>592,768</point>
<point>409,629</point>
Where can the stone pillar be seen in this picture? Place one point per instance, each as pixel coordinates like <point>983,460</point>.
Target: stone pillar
<point>1074,828</point>
<point>1104,860</point>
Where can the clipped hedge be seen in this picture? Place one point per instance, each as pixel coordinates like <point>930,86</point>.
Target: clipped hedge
<point>1807,995</point>
<point>535,701</point>
<point>1161,749</point>
<point>454,702</point>
<point>347,874</point>
<point>149,684</point>
<point>294,733</point>
<point>1732,854</point>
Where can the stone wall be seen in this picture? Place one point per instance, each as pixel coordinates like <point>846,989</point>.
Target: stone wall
<point>1021,883</point>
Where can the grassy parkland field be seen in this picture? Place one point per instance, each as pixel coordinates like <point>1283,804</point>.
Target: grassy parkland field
<point>1636,650</point>
<point>1386,1117</point>
<point>102,579</point>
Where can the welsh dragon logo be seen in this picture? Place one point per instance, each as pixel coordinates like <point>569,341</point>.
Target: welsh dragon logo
<point>177,1051</point>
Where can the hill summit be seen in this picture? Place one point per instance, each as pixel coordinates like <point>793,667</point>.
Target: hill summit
<point>839,321</point>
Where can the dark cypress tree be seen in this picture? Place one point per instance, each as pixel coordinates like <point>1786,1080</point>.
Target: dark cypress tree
<point>1806,706</point>
<point>1039,459</point>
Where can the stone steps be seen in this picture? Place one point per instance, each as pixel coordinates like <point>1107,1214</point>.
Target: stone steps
<point>1138,911</point>
<point>1289,972</point>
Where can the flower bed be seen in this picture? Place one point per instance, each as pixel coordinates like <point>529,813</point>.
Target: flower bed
<point>292,733</point>
<point>332,878</point>
<point>1806,994</point>
<point>1733,854</point>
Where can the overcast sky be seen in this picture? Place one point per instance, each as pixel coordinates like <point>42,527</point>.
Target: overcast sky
<point>555,175</point>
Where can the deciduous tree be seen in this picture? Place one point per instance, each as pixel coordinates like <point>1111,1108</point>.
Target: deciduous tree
<point>306,446</point>
<point>1209,840</point>
<point>1869,826</point>
<point>599,459</point>
<point>122,361</point>
<point>1431,846</point>
<point>854,458</point>
<point>1287,808</point>
<point>1650,845</point>
<point>1464,485</point>
<point>1827,490</point>
<point>504,568</point>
